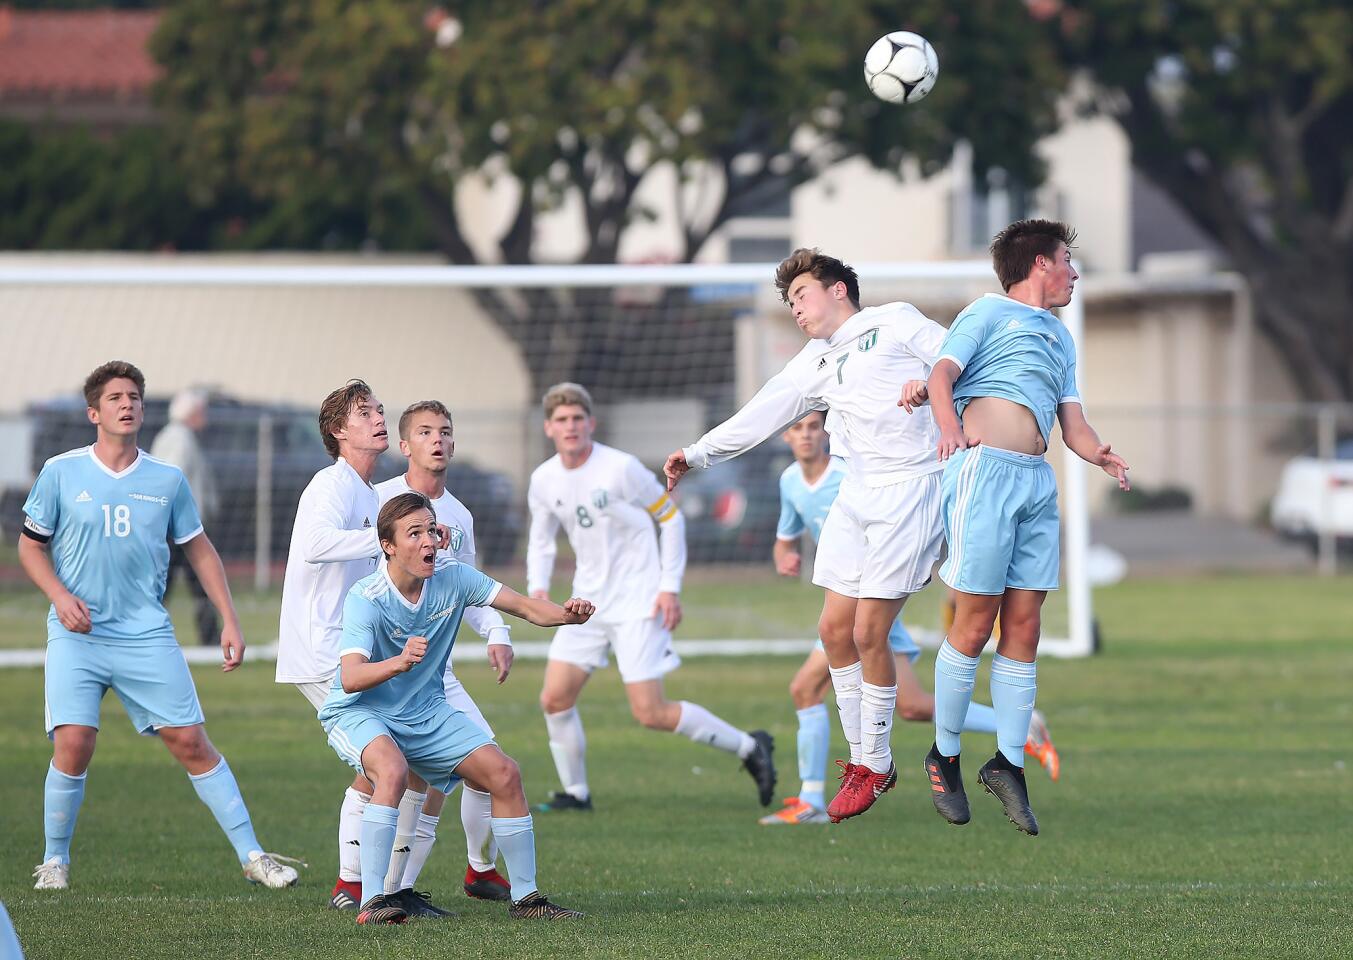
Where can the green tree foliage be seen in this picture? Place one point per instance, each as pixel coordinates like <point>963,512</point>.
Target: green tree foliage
<point>1242,111</point>
<point>580,100</point>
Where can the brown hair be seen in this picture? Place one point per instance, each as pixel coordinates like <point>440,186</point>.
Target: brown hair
<point>828,271</point>
<point>1016,248</point>
<point>566,395</point>
<point>395,510</point>
<point>112,370</point>
<point>422,406</point>
<point>333,412</point>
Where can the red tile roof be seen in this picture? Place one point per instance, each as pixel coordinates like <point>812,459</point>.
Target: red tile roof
<point>79,53</point>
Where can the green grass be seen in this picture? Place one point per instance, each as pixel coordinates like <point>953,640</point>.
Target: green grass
<point>1203,811</point>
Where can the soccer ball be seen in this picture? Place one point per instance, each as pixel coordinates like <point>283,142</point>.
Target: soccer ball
<point>901,67</point>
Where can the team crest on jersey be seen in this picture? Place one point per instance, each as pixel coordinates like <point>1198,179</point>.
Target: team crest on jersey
<point>600,499</point>
<point>457,538</point>
<point>867,340</point>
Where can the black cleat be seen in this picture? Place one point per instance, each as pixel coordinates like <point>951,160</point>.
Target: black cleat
<point>382,909</point>
<point>563,800</point>
<point>488,885</point>
<point>946,787</point>
<point>1005,782</point>
<point>760,765</point>
<point>534,906</point>
<point>417,903</point>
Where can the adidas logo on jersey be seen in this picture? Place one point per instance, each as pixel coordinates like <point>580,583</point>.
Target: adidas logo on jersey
<point>1012,325</point>
<point>366,523</point>
<point>84,497</point>
<point>822,363</point>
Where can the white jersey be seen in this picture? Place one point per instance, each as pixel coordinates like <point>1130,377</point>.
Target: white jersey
<point>451,513</point>
<point>856,376</point>
<point>607,508</point>
<point>333,545</point>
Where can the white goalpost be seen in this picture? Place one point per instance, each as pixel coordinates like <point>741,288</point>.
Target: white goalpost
<point>261,329</point>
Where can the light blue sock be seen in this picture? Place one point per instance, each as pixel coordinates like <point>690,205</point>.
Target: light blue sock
<point>980,719</point>
<point>517,843</point>
<point>814,737</point>
<point>377,844</point>
<point>219,791</point>
<point>61,798</point>
<point>1013,688</point>
<point>954,676</point>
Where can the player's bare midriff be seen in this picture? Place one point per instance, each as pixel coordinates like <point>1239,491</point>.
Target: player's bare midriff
<point>998,422</point>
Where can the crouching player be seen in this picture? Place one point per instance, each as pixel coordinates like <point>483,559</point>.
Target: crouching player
<point>387,712</point>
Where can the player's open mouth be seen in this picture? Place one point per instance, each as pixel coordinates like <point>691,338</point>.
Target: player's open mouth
<point>429,556</point>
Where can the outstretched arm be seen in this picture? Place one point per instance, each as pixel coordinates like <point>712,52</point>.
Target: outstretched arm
<point>542,612</point>
<point>1085,443</point>
<point>776,405</point>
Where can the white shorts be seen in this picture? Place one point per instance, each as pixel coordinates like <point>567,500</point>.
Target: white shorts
<point>459,697</point>
<point>316,691</point>
<point>643,648</point>
<point>881,542</point>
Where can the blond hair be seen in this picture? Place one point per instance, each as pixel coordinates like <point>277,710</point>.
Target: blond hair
<point>566,395</point>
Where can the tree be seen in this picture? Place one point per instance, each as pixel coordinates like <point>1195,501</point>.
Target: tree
<point>1242,111</point>
<point>579,101</point>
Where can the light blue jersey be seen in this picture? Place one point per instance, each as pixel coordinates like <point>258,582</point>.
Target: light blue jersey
<point>804,507</point>
<point>109,540</point>
<point>378,621</point>
<point>1009,349</point>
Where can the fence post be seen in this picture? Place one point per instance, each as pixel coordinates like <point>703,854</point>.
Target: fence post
<point>263,506</point>
<point>1327,546</point>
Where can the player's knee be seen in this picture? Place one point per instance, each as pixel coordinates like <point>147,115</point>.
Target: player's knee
<point>1021,627</point>
<point>650,715</point>
<point>915,712</point>
<point>504,779</point>
<point>551,702</point>
<point>834,632</point>
<point>803,693</point>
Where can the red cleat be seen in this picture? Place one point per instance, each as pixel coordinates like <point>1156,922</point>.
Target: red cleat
<point>488,885</point>
<point>860,787</point>
<point>346,895</point>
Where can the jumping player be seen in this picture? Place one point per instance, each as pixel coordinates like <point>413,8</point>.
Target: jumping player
<point>882,534</point>
<point>808,487</point>
<point>1006,369</point>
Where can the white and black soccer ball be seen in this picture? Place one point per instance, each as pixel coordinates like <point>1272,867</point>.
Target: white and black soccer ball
<point>901,67</point>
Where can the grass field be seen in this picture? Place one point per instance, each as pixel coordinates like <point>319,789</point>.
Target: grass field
<point>1204,811</point>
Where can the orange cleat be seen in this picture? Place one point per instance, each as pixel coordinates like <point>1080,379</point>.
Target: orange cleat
<point>1040,747</point>
<point>795,811</point>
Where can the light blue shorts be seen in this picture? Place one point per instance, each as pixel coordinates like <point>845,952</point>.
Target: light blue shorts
<point>1001,522</point>
<point>153,683</point>
<point>899,639</point>
<point>433,745</point>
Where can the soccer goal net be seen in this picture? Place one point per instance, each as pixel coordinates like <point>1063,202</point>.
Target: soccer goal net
<point>666,351</point>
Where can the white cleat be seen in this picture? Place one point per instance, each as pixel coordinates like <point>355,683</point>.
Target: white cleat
<point>1038,728</point>
<point>52,875</point>
<point>264,868</point>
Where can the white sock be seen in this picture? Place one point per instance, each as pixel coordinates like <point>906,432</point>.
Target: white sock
<point>410,809</point>
<point>846,683</point>
<point>350,835</point>
<point>876,725</point>
<point>476,816</point>
<point>424,837</point>
<point>568,746</point>
<point>700,725</point>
